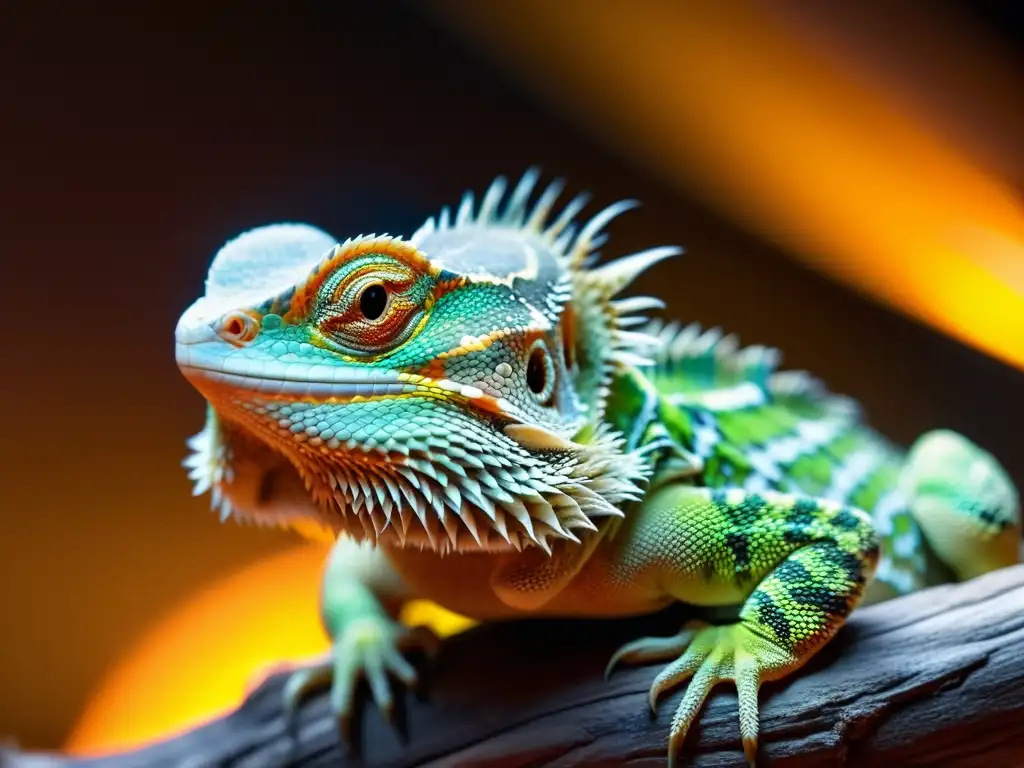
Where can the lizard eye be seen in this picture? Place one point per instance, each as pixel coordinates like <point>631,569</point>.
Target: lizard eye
<point>540,372</point>
<point>372,307</point>
<point>373,301</point>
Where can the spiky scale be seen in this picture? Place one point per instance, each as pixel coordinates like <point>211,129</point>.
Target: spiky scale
<point>464,215</point>
<point>585,241</point>
<point>516,207</point>
<point>542,207</point>
<point>491,198</point>
<point>565,219</point>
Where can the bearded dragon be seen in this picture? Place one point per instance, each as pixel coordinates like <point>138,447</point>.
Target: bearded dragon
<point>482,420</point>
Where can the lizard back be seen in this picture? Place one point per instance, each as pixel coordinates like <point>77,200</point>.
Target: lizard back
<point>723,417</point>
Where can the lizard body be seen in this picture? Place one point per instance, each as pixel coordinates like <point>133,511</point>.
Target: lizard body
<point>482,420</point>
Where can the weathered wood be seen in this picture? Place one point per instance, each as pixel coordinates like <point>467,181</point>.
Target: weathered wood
<point>935,678</point>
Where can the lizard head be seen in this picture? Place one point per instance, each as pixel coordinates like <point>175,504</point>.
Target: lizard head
<point>444,391</point>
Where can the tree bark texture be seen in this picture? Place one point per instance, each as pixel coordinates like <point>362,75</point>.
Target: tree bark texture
<point>934,678</point>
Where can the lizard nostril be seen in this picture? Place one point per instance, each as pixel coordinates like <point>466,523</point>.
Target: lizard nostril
<point>234,326</point>
<point>237,328</point>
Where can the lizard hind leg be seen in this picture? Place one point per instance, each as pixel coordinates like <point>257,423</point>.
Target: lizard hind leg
<point>964,502</point>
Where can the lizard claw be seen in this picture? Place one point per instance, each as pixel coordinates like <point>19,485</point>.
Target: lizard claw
<point>648,649</point>
<point>303,681</point>
<point>369,648</point>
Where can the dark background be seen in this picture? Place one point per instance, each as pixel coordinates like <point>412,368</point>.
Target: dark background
<point>136,139</point>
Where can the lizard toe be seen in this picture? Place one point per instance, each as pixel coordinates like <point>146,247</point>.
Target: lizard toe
<point>648,649</point>
<point>303,681</point>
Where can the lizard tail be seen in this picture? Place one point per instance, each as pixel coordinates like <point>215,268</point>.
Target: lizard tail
<point>965,503</point>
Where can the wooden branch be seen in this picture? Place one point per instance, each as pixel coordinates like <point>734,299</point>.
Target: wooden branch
<point>935,678</point>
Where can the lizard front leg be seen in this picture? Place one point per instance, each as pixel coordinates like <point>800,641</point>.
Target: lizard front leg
<point>360,601</point>
<point>799,566</point>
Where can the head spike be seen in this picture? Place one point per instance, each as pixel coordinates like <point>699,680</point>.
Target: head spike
<point>584,243</point>
<point>618,274</point>
<point>637,304</point>
<point>464,215</point>
<point>516,207</point>
<point>566,216</point>
<point>540,211</point>
<point>491,199</point>
<point>562,242</point>
<point>426,230</point>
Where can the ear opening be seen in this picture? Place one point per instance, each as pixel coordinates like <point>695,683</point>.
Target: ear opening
<point>569,332</point>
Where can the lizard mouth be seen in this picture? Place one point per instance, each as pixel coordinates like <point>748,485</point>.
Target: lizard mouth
<point>207,363</point>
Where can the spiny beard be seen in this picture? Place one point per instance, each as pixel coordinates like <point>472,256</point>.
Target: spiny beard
<point>487,502</point>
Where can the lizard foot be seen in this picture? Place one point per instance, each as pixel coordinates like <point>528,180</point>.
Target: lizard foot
<point>708,655</point>
<point>370,648</point>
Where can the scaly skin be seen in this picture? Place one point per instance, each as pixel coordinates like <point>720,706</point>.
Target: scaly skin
<point>480,422</point>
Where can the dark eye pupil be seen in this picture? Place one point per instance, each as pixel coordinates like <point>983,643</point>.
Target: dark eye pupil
<point>536,372</point>
<point>373,301</point>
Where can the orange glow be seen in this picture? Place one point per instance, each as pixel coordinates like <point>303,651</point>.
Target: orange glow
<point>201,658</point>
<point>723,99</point>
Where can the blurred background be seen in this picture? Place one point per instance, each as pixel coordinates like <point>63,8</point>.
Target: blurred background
<point>847,178</point>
